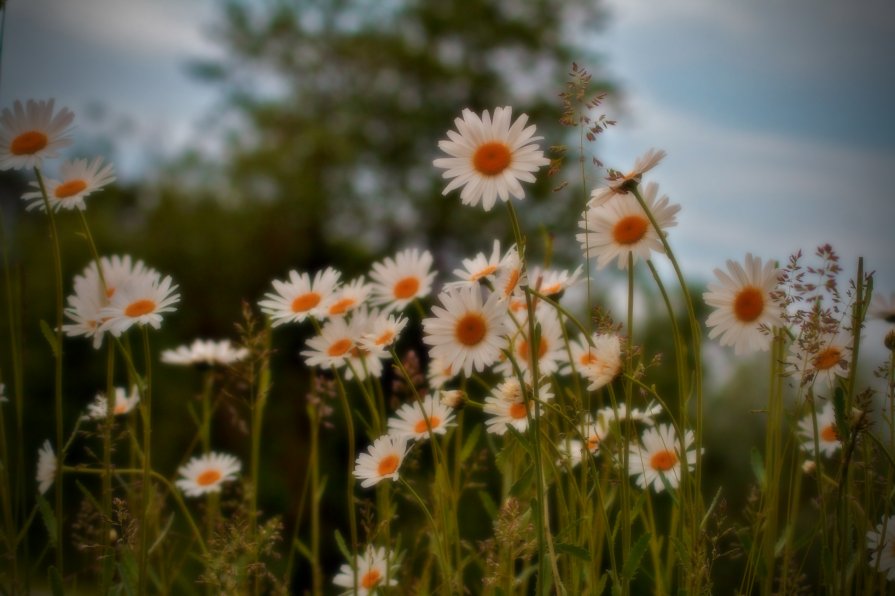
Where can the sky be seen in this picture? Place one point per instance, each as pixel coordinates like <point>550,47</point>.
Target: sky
<point>775,115</point>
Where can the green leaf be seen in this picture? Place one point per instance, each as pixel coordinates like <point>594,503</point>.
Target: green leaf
<point>55,581</point>
<point>46,512</point>
<point>470,443</point>
<point>632,563</point>
<point>50,335</point>
<point>522,484</point>
<point>758,468</point>
<point>488,504</point>
<point>574,550</point>
<point>522,439</point>
<point>343,548</point>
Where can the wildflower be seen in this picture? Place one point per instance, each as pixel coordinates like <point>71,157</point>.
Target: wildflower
<point>414,420</point>
<point>46,467</point>
<point>384,330</point>
<point>349,297</point>
<point>828,437</point>
<point>883,308</point>
<point>824,359</point>
<point>381,461</point>
<point>439,373</point>
<point>510,274</point>
<point>205,352</point>
<point>372,568</point>
<point>31,133</point>
<point>360,361</point>
<point>619,184</point>
<point>139,301</point>
<point>299,298</point>
<point>881,544</point>
<point>809,466</point>
<point>78,179</point>
<point>549,282</point>
<point>508,407</point>
<point>206,473</point>
<point>660,456</point>
<point>488,158</point>
<point>593,432</point>
<point>479,268</point>
<point>743,305</point>
<point>334,344</point>
<point>123,403</point>
<point>599,363</point>
<point>397,282</point>
<point>466,333</point>
<point>453,398</point>
<point>550,347</point>
<point>621,413</point>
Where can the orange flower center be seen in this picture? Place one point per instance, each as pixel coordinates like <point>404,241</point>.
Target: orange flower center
<point>471,329</point>
<point>69,189</point>
<point>406,288</point>
<point>28,143</point>
<point>139,308</point>
<point>384,338</point>
<point>483,273</point>
<point>208,477</point>
<point>388,465</point>
<point>518,411</point>
<point>748,304</point>
<point>525,352</point>
<point>110,291</point>
<point>588,359</point>
<point>421,427</point>
<point>512,280</point>
<point>829,434</point>
<point>370,579</point>
<point>827,359</point>
<point>339,307</point>
<point>662,461</point>
<point>551,289</point>
<point>120,408</point>
<point>630,229</point>
<point>305,302</point>
<point>339,348</point>
<point>492,158</point>
<point>593,442</point>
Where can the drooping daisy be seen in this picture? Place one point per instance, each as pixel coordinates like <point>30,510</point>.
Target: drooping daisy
<point>827,358</point>
<point>622,413</point>
<point>31,133</point>
<point>383,331</point>
<point>77,179</point>
<point>488,158</point>
<point>827,436</point>
<point>46,467</point>
<point>466,333</point>
<point>511,274</point>
<point>479,268</point>
<point>206,473</point>
<point>439,373</point>
<point>123,403</point>
<point>619,184</point>
<point>658,456</point>
<point>371,568</point>
<point>348,297</point>
<point>398,282</point>
<point>414,420</point>
<point>593,432</point>
<point>881,545</point>
<point>507,405</point>
<point>140,301</point>
<point>299,298</point>
<point>621,227</point>
<point>205,352</point>
<point>381,461</point>
<point>743,305</point>
<point>599,363</point>
<point>551,282</point>
<point>548,354</point>
<point>883,308</point>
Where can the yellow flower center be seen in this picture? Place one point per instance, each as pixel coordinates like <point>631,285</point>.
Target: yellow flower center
<point>525,352</point>
<point>662,461</point>
<point>120,408</point>
<point>471,329</point>
<point>517,410</point>
<point>748,304</point>
<point>593,442</point>
<point>305,302</point>
<point>69,189</point>
<point>421,427</point>
<point>388,465</point>
<point>588,359</point>
<point>406,288</point>
<point>370,579</point>
<point>139,308</point>
<point>492,158</point>
<point>385,338</point>
<point>829,434</point>
<point>208,477</point>
<point>339,348</point>
<point>339,307</point>
<point>28,143</point>
<point>827,359</point>
<point>512,280</point>
<point>630,229</point>
<point>483,273</point>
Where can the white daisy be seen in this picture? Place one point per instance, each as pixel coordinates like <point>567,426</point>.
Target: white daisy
<point>466,333</point>
<point>619,184</point>
<point>78,179</point>
<point>31,133</point>
<point>452,398</point>
<point>622,413</point>
<point>599,363</point>
<point>660,456</point>
<point>382,333</point>
<point>827,358</point>
<point>348,297</point>
<point>204,352</point>
<point>398,282</point>
<point>511,274</point>
<point>46,467</point>
<point>381,461</point>
<point>881,544</point>
<point>414,420</point>
<point>123,403</point>
<point>299,298</point>
<point>439,373</point>
<point>743,305</point>
<point>488,158</point>
<point>334,344</point>
<point>206,473</point>
<point>828,437</point>
<point>371,568</point>
<point>883,308</point>
<point>621,227</point>
<point>360,361</point>
<point>551,347</point>
<point>593,432</point>
<point>552,282</point>
<point>507,405</point>
<point>139,301</point>
<point>479,268</point>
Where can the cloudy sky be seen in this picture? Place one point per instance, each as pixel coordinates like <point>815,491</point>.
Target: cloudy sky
<point>775,115</point>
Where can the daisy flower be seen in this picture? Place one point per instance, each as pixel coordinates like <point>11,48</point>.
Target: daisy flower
<point>479,268</point>
<point>381,461</point>
<point>139,301</point>
<point>507,406</point>
<point>828,437</point>
<point>883,308</point>
<point>452,398</point>
<point>78,179</point>
<point>334,344</point>
<point>46,467</point>
<point>621,227</point>
<point>593,432</point>
<point>123,403</point>
<point>31,133</point>
<point>413,420</point>
<point>439,373</point>
<point>371,569</point>
<point>660,456</point>
<point>619,183</point>
<point>348,297</point>
<point>397,282</point>
<point>551,282</point>
<point>881,544</point>
<point>825,359</point>
<point>360,361</point>
<point>204,352</point>
<point>299,298</point>
<point>644,416</point>
<point>206,473</point>
<point>743,305</point>
<point>510,274</point>
<point>599,363</point>
<point>466,333</point>
<point>549,352</point>
<point>488,158</point>
<point>383,332</point>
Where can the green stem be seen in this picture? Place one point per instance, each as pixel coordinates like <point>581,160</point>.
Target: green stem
<point>146,497</point>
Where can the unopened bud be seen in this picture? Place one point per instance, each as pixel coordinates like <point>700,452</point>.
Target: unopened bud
<point>808,466</point>
<point>453,398</point>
